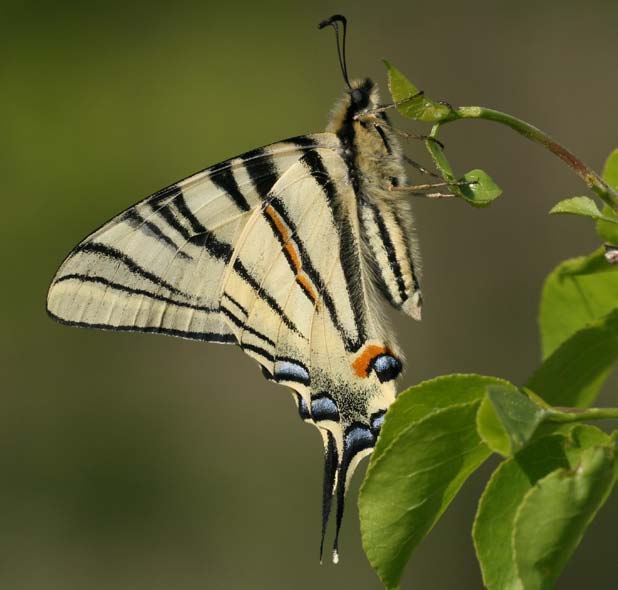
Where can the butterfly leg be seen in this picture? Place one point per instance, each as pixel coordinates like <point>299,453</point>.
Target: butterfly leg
<point>432,195</point>
<point>424,187</point>
<point>420,137</point>
<point>390,105</point>
<point>378,122</point>
<point>421,189</point>
<point>420,168</point>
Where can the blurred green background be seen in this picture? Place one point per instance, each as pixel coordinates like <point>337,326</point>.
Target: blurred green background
<point>137,461</point>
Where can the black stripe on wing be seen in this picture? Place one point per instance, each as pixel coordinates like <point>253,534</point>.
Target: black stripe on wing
<point>136,221</point>
<point>405,234</point>
<point>258,163</point>
<point>260,293</point>
<point>201,236</point>
<point>235,302</point>
<point>307,265</point>
<point>189,226</point>
<point>203,336</point>
<point>82,278</point>
<point>103,250</point>
<point>167,214</point>
<point>223,177</point>
<point>348,247</point>
<point>260,166</point>
<point>258,350</point>
<point>241,324</point>
<point>391,254</point>
<point>187,215</point>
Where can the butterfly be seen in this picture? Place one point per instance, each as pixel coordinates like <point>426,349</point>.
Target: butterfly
<point>286,251</point>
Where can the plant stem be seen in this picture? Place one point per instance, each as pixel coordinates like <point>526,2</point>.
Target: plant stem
<point>577,415</point>
<point>587,174</point>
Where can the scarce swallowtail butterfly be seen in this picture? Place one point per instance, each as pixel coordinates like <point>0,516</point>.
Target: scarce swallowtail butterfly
<point>285,251</point>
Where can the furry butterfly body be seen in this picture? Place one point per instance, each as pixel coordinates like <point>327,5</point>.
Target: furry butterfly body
<point>286,251</point>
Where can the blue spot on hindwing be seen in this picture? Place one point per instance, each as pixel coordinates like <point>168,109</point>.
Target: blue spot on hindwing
<point>324,408</point>
<point>386,367</point>
<point>377,420</point>
<point>357,438</point>
<point>291,370</point>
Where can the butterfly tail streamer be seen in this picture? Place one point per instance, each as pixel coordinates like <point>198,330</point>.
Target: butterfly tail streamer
<point>331,462</point>
<point>341,490</point>
<point>339,466</point>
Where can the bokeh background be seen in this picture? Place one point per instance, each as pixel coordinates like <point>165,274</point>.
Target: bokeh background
<point>139,461</point>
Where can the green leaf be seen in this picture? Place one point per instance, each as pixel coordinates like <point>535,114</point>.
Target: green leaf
<point>410,484</point>
<point>608,230</point>
<point>581,437</point>
<point>506,489</point>
<point>554,515</point>
<point>482,190</point>
<point>610,170</point>
<point>490,429</point>
<point>493,524</point>
<point>440,160</point>
<point>417,402</point>
<point>507,419</point>
<point>607,227</point>
<point>575,293</point>
<point>574,373</point>
<point>583,206</point>
<point>418,107</point>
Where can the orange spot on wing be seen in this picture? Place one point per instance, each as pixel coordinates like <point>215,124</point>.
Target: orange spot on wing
<point>362,363</point>
<point>304,281</point>
<point>285,237</point>
<point>283,232</point>
<point>289,247</point>
<point>292,252</point>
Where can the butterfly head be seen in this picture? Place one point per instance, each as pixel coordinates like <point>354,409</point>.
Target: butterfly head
<point>354,111</point>
<point>363,95</point>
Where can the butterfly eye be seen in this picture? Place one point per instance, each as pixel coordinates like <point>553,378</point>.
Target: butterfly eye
<point>386,367</point>
<point>357,96</point>
<point>324,408</point>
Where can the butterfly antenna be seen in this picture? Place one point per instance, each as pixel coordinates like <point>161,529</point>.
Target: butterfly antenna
<point>330,475</point>
<point>334,21</point>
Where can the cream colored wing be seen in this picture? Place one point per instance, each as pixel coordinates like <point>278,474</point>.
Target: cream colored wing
<point>387,230</point>
<point>159,266</point>
<point>298,298</point>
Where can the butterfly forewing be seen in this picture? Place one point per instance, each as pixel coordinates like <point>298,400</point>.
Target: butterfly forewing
<point>159,266</point>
